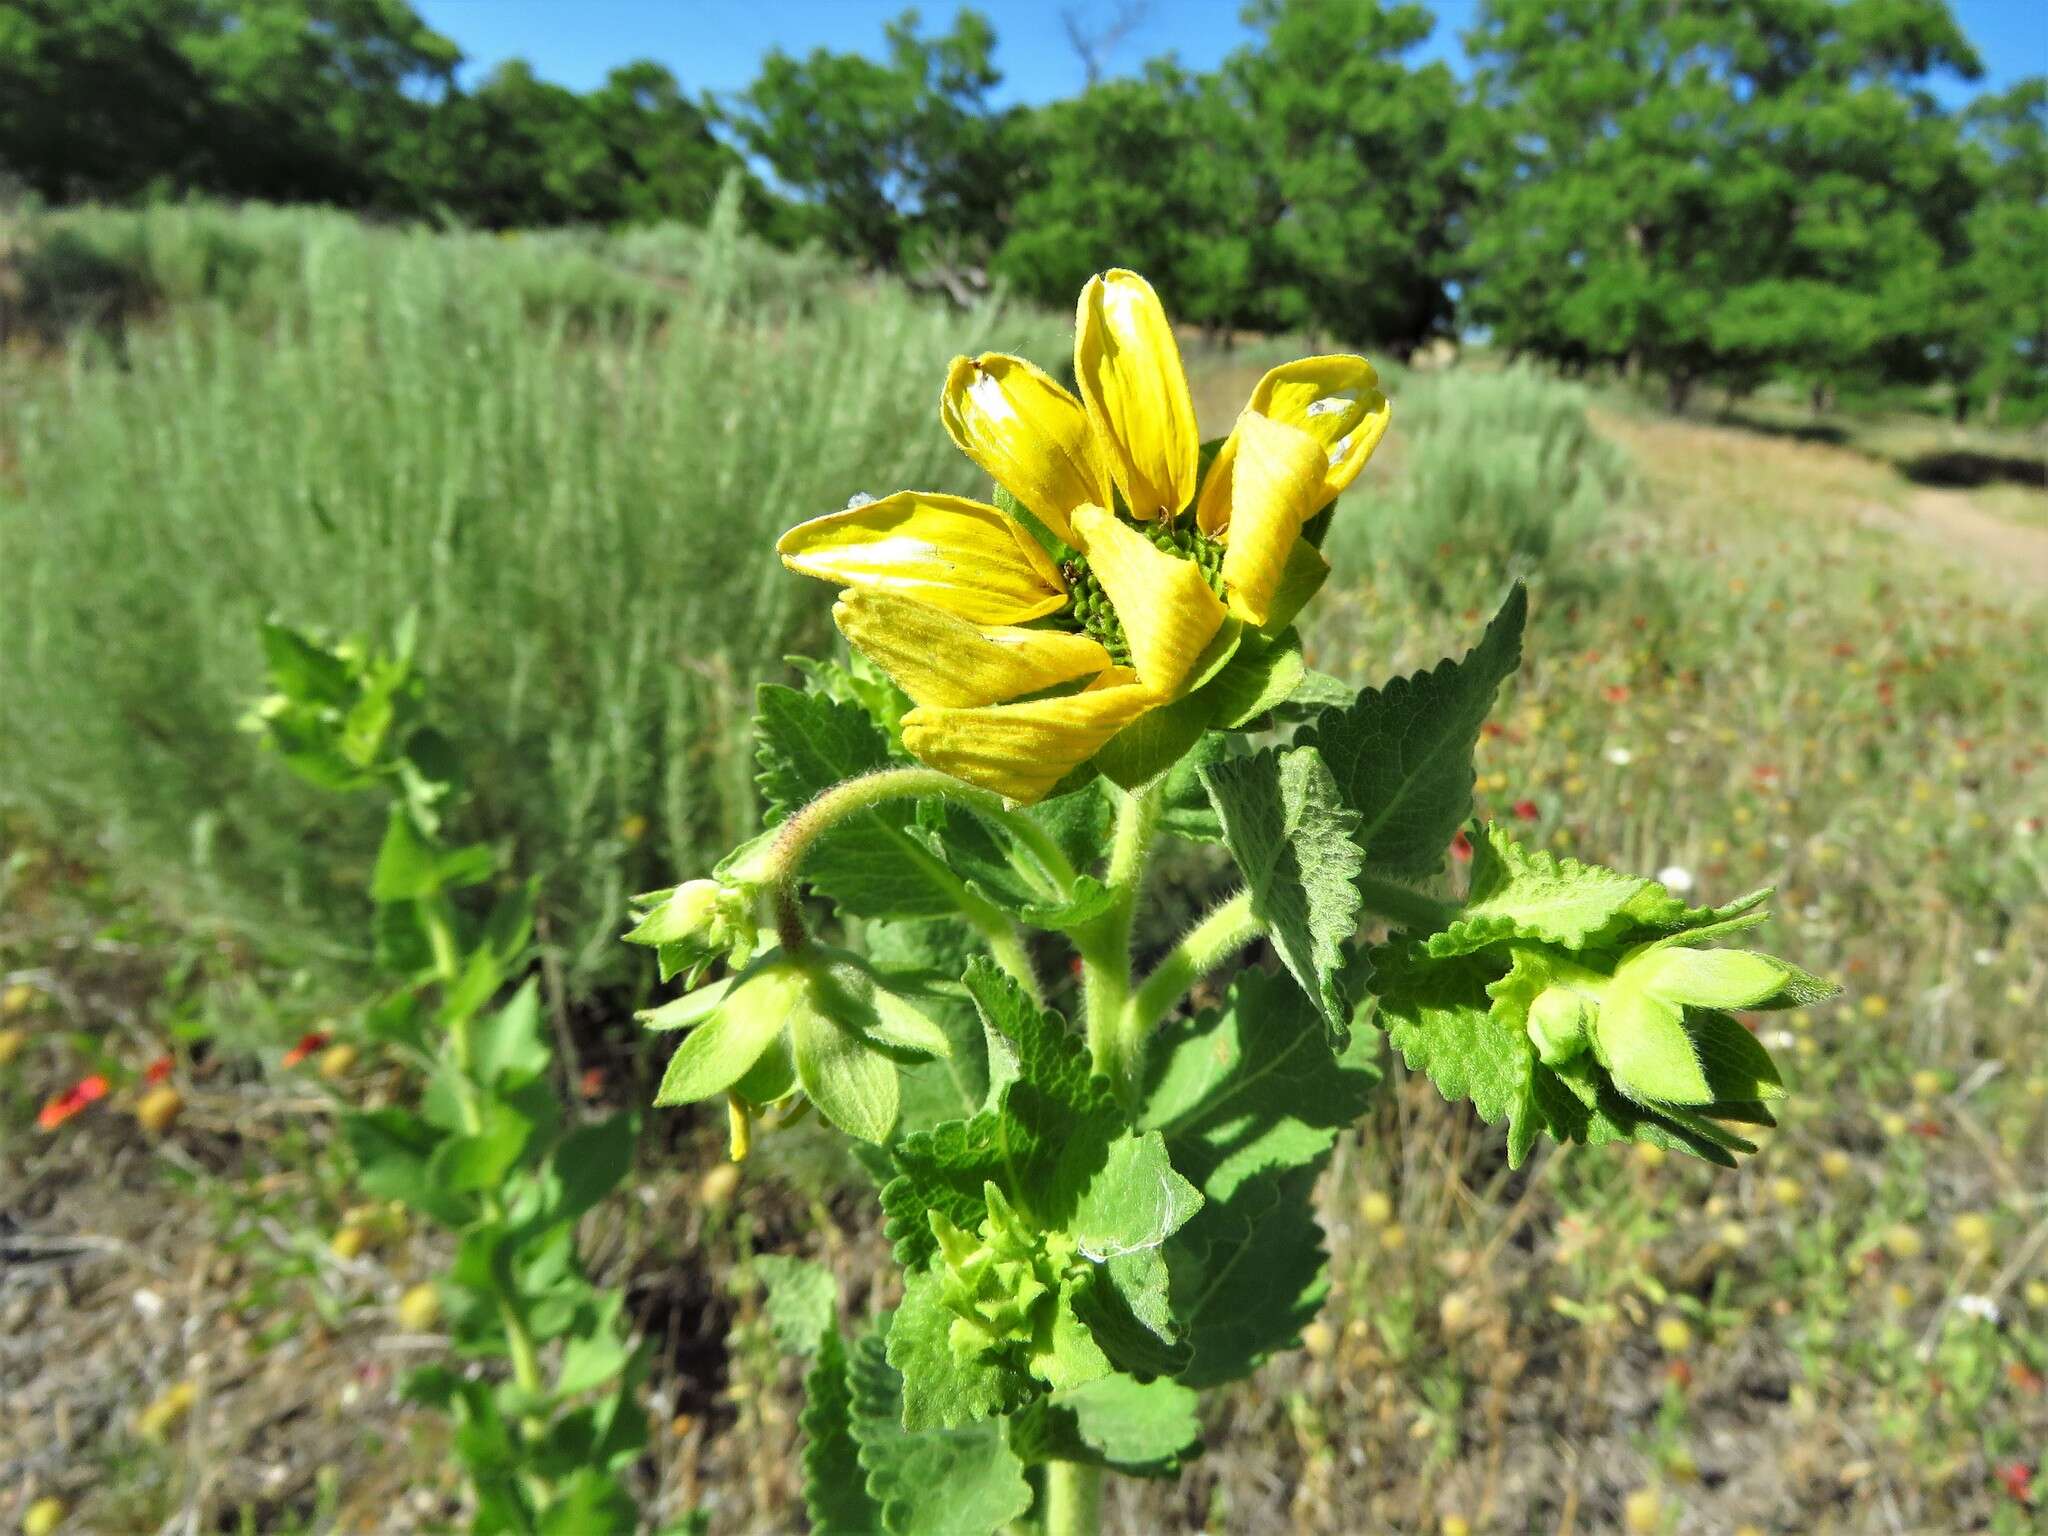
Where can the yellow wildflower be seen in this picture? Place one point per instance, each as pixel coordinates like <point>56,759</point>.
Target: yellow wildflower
<point>1022,668</point>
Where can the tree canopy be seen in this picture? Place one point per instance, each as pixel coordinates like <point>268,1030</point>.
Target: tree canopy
<point>1730,192</point>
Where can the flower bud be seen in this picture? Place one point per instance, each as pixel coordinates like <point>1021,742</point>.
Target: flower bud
<point>696,923</point>
<point>1557,1024</point>
<point>43,1517</point>
<point>165,1414</point>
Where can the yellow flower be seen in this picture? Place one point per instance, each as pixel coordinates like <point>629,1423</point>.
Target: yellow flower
<point>1021,668</point>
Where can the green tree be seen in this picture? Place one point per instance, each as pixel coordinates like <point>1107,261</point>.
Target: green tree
<point>896,158</point>
<point>1156,173</point>
<point>1714,191</point>
<point>1998,293</point>
<point>308,100</point>
<point>1358,185</point>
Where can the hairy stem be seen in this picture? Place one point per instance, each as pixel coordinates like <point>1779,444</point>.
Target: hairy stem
<point>1406,908</point>
<point>1105,944</point>
<point>1073,1499</point>
<point>1218,936</point>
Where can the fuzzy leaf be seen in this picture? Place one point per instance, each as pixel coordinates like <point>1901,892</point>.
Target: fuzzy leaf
<point>943,1389</point>
<point>1250,1100</point>
<point>1134,1202</point>
<point>964,1482</point>
<point>1143,1429</point>
<point>1519,894</point>
<point>1438,1015</point>
<point>1293,838</point>
<point>1402,755</point>
<point>801,1302</point>
<point>1042,1139</point>
<point>1253,1085</point>
<point>835,1487</point>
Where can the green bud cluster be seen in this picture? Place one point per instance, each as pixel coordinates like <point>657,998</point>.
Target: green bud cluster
<point>1002,1283</point>
<point>695,924</point>
<point>1089,605</point>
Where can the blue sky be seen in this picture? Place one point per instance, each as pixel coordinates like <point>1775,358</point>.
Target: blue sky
<point>715,45</point>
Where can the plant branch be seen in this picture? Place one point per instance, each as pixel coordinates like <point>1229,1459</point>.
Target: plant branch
<point>1405,907</point>
<point>1105,944</point>
<point>1073,1499</point>
<point>1225,930</point>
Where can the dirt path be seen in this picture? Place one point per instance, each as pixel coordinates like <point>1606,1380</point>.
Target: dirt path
<point>1717,466</point>
<point>1953,523</point>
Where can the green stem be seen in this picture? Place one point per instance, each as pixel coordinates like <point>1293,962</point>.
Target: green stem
<point>1073,1499</point>
<point>1227,929</point>
<point>1105,944</point>
<point>856,796</point>
<point>1406,908</point>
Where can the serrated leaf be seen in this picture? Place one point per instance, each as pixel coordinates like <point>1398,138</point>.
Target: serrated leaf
<point>942,1388</point>
<point>1049,1128</point>
<point>1140,1428</point>
<point>1184,808</point>
<point>835,1487</point>
<point>1253,1085</point>
<point>964,1482</point>
<point>1439,1016</point>
<point>804,744</point>
<point>1518,893</point>
<point>1250,1099</point>
<point>801,1300</point>
<point>1127,1306</point>
<point>1133,1202</point>
<point>1247,1275</point>
<point>1401,755</point>
<point>1263,675</point>
<point>1293,839</point>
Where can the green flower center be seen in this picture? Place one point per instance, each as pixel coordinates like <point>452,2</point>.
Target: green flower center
<point>1089,608</point>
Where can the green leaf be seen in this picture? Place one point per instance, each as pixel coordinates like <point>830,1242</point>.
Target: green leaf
<point>586,1165</point>
<point>943,1388</point>
<point>1250,1100</point>
<point>1248,1274</point>
<point>1047,1132</point>
<point>1134,1202</point>
<point>1185,809</point>
<point>1642,1042</point>
<point>1141,1427</point>
<point>805,743</point>
<point>480,1159</point>
<point>592,1503</point>
<point>1253,1085</point>
<point>406,862</point>
<point>835,1487</point>
<point>802,1301</point>
<point>964,1482</point>
<point>594,1352</point>
<point>1262,676</point>
<point>1293,838</point>
<point>508,1047</point>
<point>1738,1068</point>
<point>1401,755</point>
<point>852,1084</point>
<point>751,1014</point>
<point>1518,894</point>
<point>393,1150</point>
<point>1438,1014</point>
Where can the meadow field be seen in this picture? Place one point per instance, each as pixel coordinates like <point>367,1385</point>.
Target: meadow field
<point>1764,649</point>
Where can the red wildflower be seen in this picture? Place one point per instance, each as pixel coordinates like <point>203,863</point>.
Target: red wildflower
<point>1679,1374</point>
<point>2018,1479</point>
<point>1461,846</point>
<point>87,1090</point>
<point>313,1040</point>
<point>1525,810</point>
<point>2024,1378</point>
<point>592,1082</point>
<point>157,1070</point>
<point>1763,773</point>
<point>1928,1130</point>
<point>1615,693</point>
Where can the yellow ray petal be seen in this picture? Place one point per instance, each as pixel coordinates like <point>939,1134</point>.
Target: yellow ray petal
<point>1030,435</point>
<point>1022,750</point>
<point>1129,369</point>
<point>1163,602</point>
<point>1336,400</point>
<point>1277,486</point>
<point>940,659</point>
<point>947,551</point>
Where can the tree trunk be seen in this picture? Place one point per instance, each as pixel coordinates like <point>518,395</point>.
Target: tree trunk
<point>1677,392</point>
